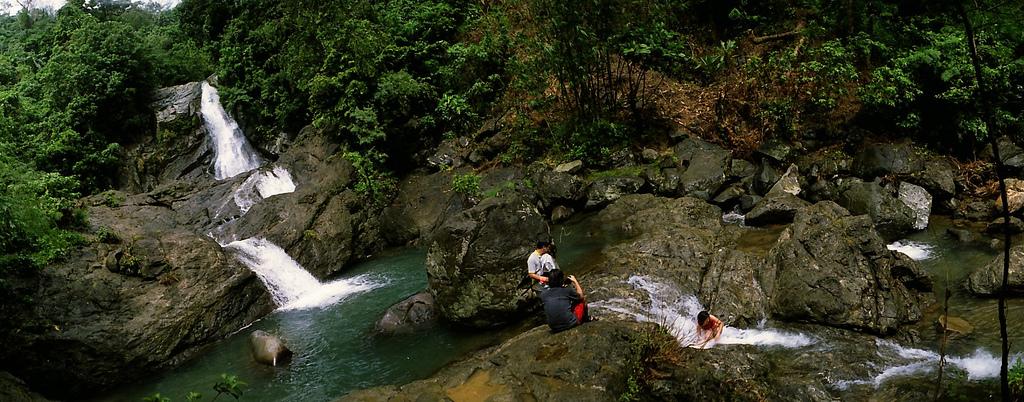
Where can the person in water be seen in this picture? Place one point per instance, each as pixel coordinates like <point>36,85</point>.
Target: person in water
<point>540,262</point>
<point>564,306</point>
<point>709,328</point>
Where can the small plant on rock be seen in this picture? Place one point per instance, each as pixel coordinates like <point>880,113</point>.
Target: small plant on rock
<point>467,184</point>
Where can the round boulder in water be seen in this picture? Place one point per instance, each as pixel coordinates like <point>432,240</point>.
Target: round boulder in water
<point>268,349</point>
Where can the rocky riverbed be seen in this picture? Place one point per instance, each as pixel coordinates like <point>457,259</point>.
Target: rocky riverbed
<point>152,286</point>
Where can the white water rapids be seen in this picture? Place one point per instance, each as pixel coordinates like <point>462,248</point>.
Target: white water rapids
<point>901,361</point>
<point>291,286</point>
<point>678,313</point>
<point>917,251</point>
<point>263,184</point>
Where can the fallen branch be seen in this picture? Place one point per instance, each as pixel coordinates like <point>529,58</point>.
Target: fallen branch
<point>796,31</point>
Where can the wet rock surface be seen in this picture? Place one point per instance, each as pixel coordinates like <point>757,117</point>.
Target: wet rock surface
<point>832,268</point>
<point>586,363</point>
<point>91,328</point>
<point>476,258</point>
<point>268,349</point>
<point>988,279</point>
<point>409,315</point>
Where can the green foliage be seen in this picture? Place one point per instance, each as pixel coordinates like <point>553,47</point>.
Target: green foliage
<point>107,235</point>
<point>389,76</point>
<point>156,398</point>
<point>371,180</point>
<point>1015,377</point>
<point>602,51</point>
<point>590,141</point>
<point>648,348</point>
<point>467,184</point>
<point>505,187</point>
<point>230,385</point>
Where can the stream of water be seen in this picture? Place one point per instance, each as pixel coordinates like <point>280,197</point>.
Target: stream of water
<point>335,350</point>
<point>329,325</point>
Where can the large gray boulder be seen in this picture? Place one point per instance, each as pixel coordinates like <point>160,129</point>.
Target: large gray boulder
<point>683,242</point>
<point>832,268</point>
<point>268,349</point>
<point>876,160</point>
<point>416,312</point>
<point>13,389</point>
<point>604,190</point>
<point>919,201</point>
<point>891,216</point>
<point>477,257</point>
<point>559,188</point>
<point>988,279</point>
<point>705,167</point>
<point>938,177</point>
<point>778,208</point>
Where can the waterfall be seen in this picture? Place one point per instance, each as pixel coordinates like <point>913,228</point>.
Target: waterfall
<point>292,287</point>
<point>677,312</point>
<point>232,153</point>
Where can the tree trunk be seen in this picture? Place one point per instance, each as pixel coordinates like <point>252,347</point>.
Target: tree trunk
<point>1004,385</point>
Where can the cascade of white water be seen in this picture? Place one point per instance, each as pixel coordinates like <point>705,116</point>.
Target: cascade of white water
<point>261,185</point>
<point>678,313</point>
<point>900,361</point>
<point>917,251</point>
<point>290,286</point>
<point>232,153</point>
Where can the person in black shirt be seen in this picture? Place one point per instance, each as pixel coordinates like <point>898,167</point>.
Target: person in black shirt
<point>565,307</point>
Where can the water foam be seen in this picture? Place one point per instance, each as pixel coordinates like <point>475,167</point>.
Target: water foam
<point>917,251</point>
<point>900,361</point>
<point>291,286</point>
<point>232,153</point>
<point>677,312</point>
<point>262,185</point>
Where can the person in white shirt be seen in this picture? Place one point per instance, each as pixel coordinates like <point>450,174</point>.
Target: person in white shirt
<point>540,262</point>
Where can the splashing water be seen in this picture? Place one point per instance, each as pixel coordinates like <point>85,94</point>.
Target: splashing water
<point>232,153</point>
<point>917,251</point>
<point>677,312</point>
<point>901,361</point>
<point>262,185</point>
<point>292,287</point>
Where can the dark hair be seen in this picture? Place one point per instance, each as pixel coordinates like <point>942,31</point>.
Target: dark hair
<point>556,278</point>
<point>702,317</point>
<point>542,244</point>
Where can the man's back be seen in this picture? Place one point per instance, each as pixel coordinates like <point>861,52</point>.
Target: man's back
<point>558,304</point>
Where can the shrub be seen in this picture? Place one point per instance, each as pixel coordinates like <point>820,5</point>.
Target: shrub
<point>467,184</point>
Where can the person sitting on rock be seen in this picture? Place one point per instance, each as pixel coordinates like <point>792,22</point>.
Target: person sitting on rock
<point>540,262</point>
<point>709,328</point>
<point>565,307</point>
